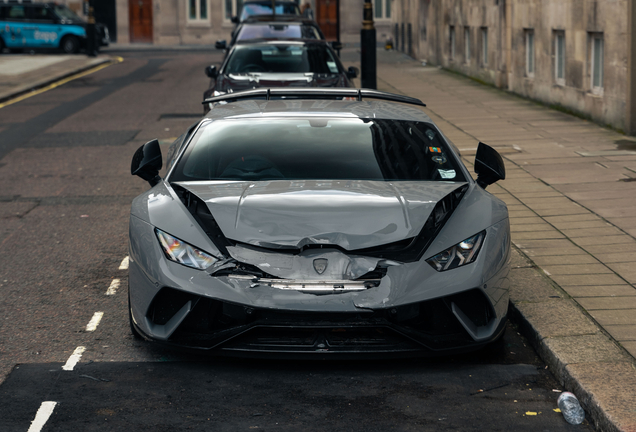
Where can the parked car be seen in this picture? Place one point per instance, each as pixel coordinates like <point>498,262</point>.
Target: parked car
<point>273,27</point>
<point>317,222</point>
<point>25,25</point>
<point>278,63</point>
<point>253,8</point>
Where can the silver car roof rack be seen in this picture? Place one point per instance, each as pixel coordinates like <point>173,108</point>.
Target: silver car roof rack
<point>313,93</point>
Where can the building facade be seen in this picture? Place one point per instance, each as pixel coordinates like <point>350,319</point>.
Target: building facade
<point>184,22</point>
<point>576,54</point>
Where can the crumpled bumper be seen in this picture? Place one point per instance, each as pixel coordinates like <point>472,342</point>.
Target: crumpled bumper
<point>414,311</point>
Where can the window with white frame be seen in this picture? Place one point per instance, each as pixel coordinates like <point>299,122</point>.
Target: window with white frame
<point>232,8</point>
<point>484,46</point>
<point>382,9</point>
<point>596,61</point>
<point>451,38</point>
<point>198,10</point>
<point>530,53</point>
<point>559,57</point>
<point>467,44</point>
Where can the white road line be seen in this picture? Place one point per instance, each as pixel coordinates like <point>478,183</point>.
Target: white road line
<point>94,322</point>
<point>74,358</point>
<point>124,264</point>
<point>114,285</point>
<point>43,414</point>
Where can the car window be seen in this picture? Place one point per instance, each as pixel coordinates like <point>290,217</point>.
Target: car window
<point>266,9</point>
<point>64,12</point>
<point>318,149</point>
<point>16,12</point>
<point>41,13</point>
<point>282,59</point>
<point>277,31</point>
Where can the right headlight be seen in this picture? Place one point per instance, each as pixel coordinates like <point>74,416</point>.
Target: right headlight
<point>458,255</point>
<point>183,253</point>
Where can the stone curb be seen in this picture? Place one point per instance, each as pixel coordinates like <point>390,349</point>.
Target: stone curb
<point>51,79</point>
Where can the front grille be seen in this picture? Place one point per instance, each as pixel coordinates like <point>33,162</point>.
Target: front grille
<point>325,340</point>
<point>474,305</point>
<point>428,325</point>
<point>167,303</point>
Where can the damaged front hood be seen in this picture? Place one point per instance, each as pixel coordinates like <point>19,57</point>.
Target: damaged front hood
<point>351,214</point>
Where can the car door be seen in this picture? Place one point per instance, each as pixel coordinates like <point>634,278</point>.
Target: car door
<point>47,29</point>
<point>14,33</point>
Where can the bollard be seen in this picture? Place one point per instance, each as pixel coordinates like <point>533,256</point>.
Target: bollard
<point>368,49</point>
<point>91,36</point>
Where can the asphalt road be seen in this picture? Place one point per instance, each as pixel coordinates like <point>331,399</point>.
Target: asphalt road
<point>65,192</point>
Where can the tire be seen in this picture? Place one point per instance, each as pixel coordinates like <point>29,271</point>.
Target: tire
<point>2,45</point>
<point>69,44</point>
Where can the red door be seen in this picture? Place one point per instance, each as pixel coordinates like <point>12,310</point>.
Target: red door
<point>327,18</point>
<point>140,15</point>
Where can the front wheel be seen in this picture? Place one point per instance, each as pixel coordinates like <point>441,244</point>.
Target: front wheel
<point>70,44</point>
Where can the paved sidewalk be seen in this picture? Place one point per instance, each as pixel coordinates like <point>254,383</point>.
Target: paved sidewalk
<point>570,189</point>
<point>22,73</point>
<point>571,192</point>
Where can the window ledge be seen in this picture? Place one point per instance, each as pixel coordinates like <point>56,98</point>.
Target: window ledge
<point>197,23</point>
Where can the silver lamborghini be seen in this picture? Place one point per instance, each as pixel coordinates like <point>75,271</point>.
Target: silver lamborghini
<point>318,222</point>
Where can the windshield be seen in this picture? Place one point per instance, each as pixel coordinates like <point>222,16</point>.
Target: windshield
<point>252,9</point>
<point>278,31</point>
<point>317,149</point>
<point>66,13</point>
<point>282,59</point>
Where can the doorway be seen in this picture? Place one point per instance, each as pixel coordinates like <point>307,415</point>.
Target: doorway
<point>140,13</point>
<point>327,18</point>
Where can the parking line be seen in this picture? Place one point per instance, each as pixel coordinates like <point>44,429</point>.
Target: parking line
<point>41,417</point>
<point>114,285</point>
<point>94,322</point>
<point>74,358</point>
<point>124,263</point>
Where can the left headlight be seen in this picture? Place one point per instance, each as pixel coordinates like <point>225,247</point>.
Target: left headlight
<point>183,253</point>
<point>458,255</point>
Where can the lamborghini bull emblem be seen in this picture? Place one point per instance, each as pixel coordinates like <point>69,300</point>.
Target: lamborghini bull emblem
<point>320,265</point>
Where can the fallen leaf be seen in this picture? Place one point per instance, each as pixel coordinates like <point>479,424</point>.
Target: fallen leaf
<point>531,413</point>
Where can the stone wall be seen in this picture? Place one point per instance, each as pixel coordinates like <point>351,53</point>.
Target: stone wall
<point>502,60</point>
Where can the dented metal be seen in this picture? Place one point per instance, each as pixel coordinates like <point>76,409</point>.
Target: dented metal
<point>309,285</point>
<point>339,266</point>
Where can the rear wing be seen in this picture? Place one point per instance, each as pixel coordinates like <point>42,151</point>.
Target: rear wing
<point>312,93</point>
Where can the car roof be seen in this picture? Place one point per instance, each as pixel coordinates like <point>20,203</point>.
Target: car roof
<point>294,108</point>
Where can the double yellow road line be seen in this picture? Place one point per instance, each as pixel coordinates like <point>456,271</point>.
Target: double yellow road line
<point>63,81</point>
